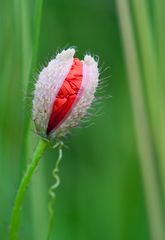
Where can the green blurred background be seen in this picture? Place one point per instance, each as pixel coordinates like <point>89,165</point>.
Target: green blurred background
<point>107,191</point>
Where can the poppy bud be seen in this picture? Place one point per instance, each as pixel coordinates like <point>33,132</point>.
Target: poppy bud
<point>63,92</point>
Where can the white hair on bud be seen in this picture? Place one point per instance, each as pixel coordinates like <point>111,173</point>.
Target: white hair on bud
<point>49,82</point>
<point>85,97</point>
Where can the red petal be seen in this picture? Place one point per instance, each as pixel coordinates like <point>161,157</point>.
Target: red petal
<point>66,95</point>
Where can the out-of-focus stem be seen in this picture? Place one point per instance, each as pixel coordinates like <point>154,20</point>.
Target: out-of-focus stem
<point>144,145</point>
<point>37,212</point>
<point>149,59</point>
<point>153,73</point>
<point>26,42</point>
<point>159,17</point>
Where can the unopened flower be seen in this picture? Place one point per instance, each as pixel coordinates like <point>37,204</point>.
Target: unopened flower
<point>63,93</point>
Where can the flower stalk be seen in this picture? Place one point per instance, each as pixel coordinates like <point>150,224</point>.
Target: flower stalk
<point>23,186</point>
<point>52,190</point>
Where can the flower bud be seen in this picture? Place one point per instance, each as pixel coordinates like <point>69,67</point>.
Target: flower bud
<point>63,93</point>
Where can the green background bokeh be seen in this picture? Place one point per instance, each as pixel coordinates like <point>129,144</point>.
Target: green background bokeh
<point>101,192</point>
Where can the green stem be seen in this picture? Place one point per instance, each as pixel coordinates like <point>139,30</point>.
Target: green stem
<point>153,78</point>
<point>149,62</point>
<point>159,8</point>
<point>33,52</point>
<point>22,188</point>
<point>26,42</point>
<point>142,131</point>
<point>36,31</point>
<point>52,190</point>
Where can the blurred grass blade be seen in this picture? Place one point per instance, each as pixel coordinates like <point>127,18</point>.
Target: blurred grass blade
<point>154,86</point>
<point>29,13</point>
<point>34,51</point>
<point>148,56</point>
<point>36,30</point>
<point>39,215</point>
<point>159,17</point>
<point>152,194</point>
<point>26,41</point>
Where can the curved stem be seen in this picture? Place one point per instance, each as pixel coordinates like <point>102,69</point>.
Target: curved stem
<point>52,190</point>
<point>22,188</point>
